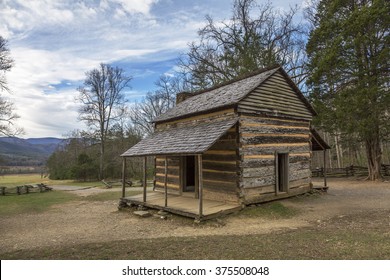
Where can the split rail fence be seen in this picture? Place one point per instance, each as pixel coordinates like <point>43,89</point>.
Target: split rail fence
<point>24,189</point>
<point>349,171</point>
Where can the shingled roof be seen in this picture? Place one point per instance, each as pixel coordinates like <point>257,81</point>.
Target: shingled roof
<point>218,97</point>
<point>194,139</point>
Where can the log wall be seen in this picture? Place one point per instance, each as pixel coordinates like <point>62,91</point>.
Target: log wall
<point>220,169</point>
<point>260,139</point>
<point>173,178</point>
<point>277,98</point>
<point>220,162</point>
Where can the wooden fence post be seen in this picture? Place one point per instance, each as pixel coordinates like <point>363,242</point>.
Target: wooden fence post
<point>124,177</point>
<point>200,183</point>
<point>166,182</point>
<point>144,180</point>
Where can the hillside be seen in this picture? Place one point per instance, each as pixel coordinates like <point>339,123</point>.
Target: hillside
<point>26,152</point>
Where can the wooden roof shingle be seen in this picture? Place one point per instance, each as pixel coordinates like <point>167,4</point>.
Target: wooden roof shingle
<point>194,139</point>
<point>218,97</point>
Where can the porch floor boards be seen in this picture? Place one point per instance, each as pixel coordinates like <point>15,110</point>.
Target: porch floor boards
<point>183,205</point>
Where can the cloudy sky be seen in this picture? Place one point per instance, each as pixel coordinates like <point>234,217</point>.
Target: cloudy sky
<point>54,42</point>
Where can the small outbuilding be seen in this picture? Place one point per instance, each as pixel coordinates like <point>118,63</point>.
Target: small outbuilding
<point>239,143</point>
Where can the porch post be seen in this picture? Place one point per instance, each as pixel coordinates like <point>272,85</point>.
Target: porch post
<point>325,183</point>
<point>165,182</point>
<point>144,180</point>
<point>200,186</point>
<point>123,177</point>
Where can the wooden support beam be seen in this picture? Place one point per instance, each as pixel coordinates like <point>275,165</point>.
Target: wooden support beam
<point>200,186</point>
<point>124,177</point>
<point>144,180</point>
<point>325,183</point>
<point>165,183</point>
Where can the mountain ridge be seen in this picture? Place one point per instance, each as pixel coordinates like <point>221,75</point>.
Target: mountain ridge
<point>30,151</point>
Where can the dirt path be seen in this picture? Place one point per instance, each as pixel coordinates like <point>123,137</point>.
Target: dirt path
<point>82,221</point>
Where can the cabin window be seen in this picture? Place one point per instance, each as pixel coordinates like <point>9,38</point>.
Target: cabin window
<point>281,172</point>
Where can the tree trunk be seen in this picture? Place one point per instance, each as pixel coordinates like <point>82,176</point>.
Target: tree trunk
<point>101,161</point>
<point>374,158</point>
<point>338,151</point>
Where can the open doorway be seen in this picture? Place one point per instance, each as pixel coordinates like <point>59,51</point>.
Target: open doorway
<point>282,172</point>
<point>189,174</point>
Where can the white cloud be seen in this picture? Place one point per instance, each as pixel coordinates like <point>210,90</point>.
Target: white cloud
<point>136,6</point>
<point>55,42</point>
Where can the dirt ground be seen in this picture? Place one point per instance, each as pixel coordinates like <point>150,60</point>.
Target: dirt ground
<point>81,222</point>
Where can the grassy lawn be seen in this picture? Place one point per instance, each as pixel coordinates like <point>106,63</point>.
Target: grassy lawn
<point>33,202</point>
<point>30,179</point>
<point>271,210</point>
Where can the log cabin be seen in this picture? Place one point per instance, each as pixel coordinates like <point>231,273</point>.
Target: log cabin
<point>243,142</point>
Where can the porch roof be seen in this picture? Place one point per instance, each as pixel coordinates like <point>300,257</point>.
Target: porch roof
<point>317,143</point>
<point>192,139</point>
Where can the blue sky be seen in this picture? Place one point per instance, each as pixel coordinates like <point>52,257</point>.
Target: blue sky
<point>55,42</point>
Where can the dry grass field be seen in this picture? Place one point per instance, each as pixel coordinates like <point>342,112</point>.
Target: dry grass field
<point>351,221</point>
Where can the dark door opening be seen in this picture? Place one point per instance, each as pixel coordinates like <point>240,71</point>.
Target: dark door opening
<point>282,172</point>
<point>189,174</point>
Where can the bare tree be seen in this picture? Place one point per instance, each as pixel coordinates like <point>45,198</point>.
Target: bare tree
<point>6,62</point>
<point>102,99</point>
<point>155,103</point>
<point>7,115</point>
<point>256,36</point>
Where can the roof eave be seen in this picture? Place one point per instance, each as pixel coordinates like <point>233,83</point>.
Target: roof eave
<point>216,109</point>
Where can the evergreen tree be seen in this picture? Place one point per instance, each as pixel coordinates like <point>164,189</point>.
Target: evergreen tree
<point>348,52</point>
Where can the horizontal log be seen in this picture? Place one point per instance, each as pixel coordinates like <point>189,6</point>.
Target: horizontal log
<point>279,97</point>
<point>270,156</point>
<point>168,175</point>
<point>248,139</point>
<point>220,166</point>
<point>263,95</point>
<point>271,112</point>
<point>274,130</point>
<point>272,196</point>
<point>172,171</point>
<point>250,123</point>
<point>170,180</point>
<point>305,148</point>
<point>220,183</point>
<point>258,171</point>
<point>273,121</point>
<point>258,181</point>
<point>299,183</point>
<point>299,174</point>
<point>219,176</point>
<point>298,157</point>
<point>279,107</point>
<point>250,192</point>
<point>172,161</point>
<point>221,189</point>
<point>209,157</point>
<point>170,186</point>
<point>202,117</point>
<point>300,165</point>
<point>256,162</point>
<point>276,145</point>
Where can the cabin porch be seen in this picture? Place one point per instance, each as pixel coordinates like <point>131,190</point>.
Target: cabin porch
<point>183,205</point>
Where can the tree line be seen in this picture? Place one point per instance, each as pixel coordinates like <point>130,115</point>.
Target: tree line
<point>338,55</point>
